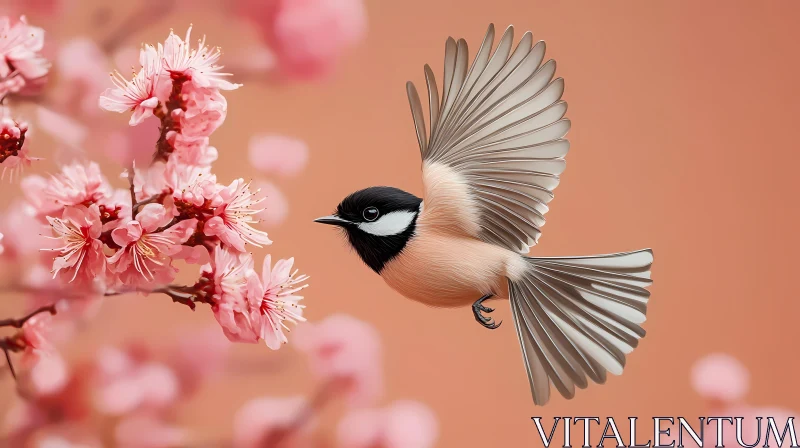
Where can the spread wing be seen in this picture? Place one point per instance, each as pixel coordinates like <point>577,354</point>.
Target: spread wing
<point>496,138</point>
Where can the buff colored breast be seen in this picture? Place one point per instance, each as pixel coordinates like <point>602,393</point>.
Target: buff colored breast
<point>450,271</point>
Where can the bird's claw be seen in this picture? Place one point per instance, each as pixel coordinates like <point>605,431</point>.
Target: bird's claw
<point>485,321</point>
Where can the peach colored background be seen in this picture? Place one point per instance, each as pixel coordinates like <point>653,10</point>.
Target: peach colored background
<point>682,141</point>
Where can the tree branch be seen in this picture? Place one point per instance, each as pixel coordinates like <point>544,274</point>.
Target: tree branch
<point>18,323</point>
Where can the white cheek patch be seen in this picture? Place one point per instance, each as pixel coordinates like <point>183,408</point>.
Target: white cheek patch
<point>393,223</point>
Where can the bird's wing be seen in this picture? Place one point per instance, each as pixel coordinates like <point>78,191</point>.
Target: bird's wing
<point>496,139</point>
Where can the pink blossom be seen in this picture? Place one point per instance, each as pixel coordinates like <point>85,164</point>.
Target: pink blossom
<point>234,218</point>
<point>309,36</point>
<point>206,109</point>
<point>83,67</point>
<point>279,300</point>
<point>133,144</point>
<point>146,246</point>
<point>139,94</point>
<point>278,154</point>
<point>145,431</point>
<point>197,356</point>
<point>152,181</point>
<point>40,7</point>
<point>124,384</point>
<point>720,377</point>
<point>13,154</point>
<point>19,219</point>
<point>193,151</point>
<point>344,348</point>
<point>200,64</point>
<point>42,373</point>
<point>276,206</point>
<point>236,295</point>
<point>77,184</point>
<point>58,440</point>
<point>403,424</point>
<point>192,185</point>
<point>263,419</point>
<point>20,45</point>
<point>35,331</point>
<point>750,426</point>
<point>81,257</point>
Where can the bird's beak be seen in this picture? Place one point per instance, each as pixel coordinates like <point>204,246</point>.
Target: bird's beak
<point>334,221</point>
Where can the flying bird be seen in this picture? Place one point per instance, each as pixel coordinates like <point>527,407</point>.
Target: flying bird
<point>491,158</point>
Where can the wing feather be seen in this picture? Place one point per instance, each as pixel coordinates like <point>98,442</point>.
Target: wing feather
<point>499,127</point>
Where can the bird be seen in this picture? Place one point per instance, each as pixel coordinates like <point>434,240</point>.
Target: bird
<point>492,154</point>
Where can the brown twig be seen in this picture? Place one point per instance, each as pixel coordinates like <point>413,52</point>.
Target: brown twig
<point>18,323</point>
<point>7,348</point>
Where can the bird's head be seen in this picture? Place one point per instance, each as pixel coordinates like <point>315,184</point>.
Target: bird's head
<point>378,222</point>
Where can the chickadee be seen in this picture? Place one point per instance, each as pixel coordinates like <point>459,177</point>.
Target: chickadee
<point>493,158</point>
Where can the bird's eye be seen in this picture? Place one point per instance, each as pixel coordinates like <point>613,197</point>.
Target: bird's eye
<point>371,214</point>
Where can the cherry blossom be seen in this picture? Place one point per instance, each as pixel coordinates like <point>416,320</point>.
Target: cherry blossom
<point>199,65</point>
<point>80,259</point>
<point>147,431</point>
<point>77,184</point>
<point>261,420</point>
<point>403,424</point>
<point>310,36</point>
<point>279,300</point>
<point>138,94</point>
<point>20,58</point>
<point>124,384</point>
<point>14,154</point>
<point>131,234</point>
<point>234,218</point>
<point>278,154</point>
<point>146,244</point>
<point>236,295</point>
<point>721,377</point>
<point>344,348</point>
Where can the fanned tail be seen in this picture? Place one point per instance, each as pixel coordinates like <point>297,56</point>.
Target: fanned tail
<point>577,318</point>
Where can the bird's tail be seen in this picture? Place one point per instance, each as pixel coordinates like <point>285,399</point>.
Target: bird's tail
<point>577,317</point>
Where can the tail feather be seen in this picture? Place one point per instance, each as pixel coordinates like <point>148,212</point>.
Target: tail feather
<point>577,318</point>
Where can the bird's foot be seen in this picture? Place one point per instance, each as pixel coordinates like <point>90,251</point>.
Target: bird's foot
<point>486,321</point>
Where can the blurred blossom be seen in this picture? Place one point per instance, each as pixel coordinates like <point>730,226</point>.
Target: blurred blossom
<point>256,58</point>
<point>62,441</point>
<point>403,424</point>
<point>125,384</point>
<point>43,373</point>
<point>263,419</point>
<point>276,206</point>
<point>83,67</point>
<point>278,154</point>
<point>307,36</point>
<point>346,349</point>
<point>37,7</point>
<point>720,377</point>
<point>197,356</point>
<point>18,220</point>
<point>20,58</point>
<point>145,431</point>
<point>61,127</point>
